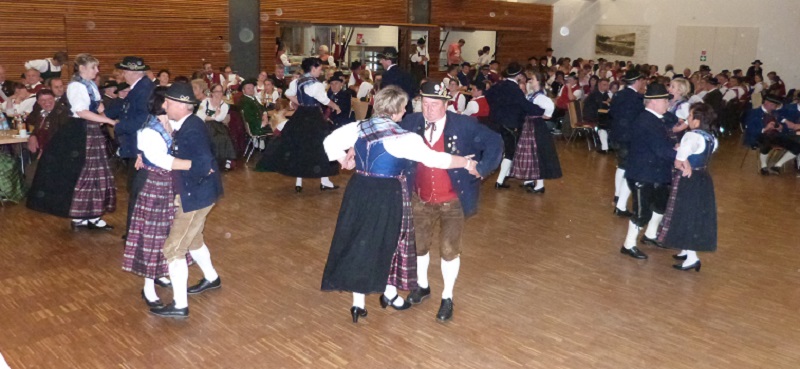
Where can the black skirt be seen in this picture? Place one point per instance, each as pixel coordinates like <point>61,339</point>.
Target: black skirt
<point>59,169</point>
<point>366,236</point>
<point>221,141</point>
<point>298,151</point>
<point>690,222</point>
<point>549,166</point>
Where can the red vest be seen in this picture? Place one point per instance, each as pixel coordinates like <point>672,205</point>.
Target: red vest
<point>483,107</point>
<point>562,102</point>
<point>433,185</point>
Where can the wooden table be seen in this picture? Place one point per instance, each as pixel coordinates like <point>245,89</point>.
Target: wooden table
<point>11,137</point>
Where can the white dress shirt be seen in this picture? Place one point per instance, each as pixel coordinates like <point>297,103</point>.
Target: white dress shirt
<point>692,143</point>
<point>420,55</point>
<point>316,90</point>
<point>364,89</point>
<point>472,106</point>
<point>41,65</point>
<point>437,134</point>
<point>407,146</point>
<point>733,93</point>
<point>285,60</point>
<point>459,103</point>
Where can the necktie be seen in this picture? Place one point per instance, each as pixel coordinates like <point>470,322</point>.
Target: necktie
<point>432,127</point>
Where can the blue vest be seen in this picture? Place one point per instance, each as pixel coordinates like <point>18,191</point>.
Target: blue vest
<point>303,98</point>
<point>373,159</point>
<point>154,124</point>
<point>701,160</point>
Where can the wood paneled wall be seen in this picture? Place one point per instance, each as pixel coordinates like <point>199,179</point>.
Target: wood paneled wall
<point>482,14</point>
<point>173,34</point>
<point>388,11</point>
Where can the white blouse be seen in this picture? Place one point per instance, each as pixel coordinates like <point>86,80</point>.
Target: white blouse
<point>23,107</point>
<point>152,145</point>
<point>406,146</point>
<point>219,116</point>
<point>545,103</point>
<point>692,143</point>
<point>316,90</point>
<point>364,89</point>
<point>78,97</point>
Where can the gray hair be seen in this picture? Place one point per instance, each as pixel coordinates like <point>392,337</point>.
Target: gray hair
<point>390,100</point>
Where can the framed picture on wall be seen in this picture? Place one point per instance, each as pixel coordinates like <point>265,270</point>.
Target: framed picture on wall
<point>622,42</point>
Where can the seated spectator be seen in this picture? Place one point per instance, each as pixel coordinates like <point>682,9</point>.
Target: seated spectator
<point>766,130</point>
<point>365,88</point>
<point>339,95</point>
<point>43,124</point>
<point>214,111</point>
<point>776,86</point>
<point>32,81</point>
<point>269,95</point>
<point>599,99</point>
<point>162,78</point>
<point>253,113</point>
<point>20,104</point>
<point>457,102</point>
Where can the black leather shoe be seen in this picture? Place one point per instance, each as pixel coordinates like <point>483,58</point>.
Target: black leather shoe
<point>651,241</point>
<point>356,312</point>
<point>169,311</point>
<point>614,204</point>
<point>501,185</point>
<point>695,266</point>
<point>91,225</point>
<point>76,226</point>
<point>775,170</point>
<point>622,213</point>
<point>764,172</point>
<point>679,257</point>
<point>603,152</point>
<point>386,302</point>
<point>152,304</point>
<point>445,310</point>
<point>633,252</point>
<point>326,188</point>
<point>204,285</point>
<point>298,189</point>
<point>533,190</point>
<point>416,296</point>
<point>161,283</point>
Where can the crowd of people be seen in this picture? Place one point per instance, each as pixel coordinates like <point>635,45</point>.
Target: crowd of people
<point>419,155</point>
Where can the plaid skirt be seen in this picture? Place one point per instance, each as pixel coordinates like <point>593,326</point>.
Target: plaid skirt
<point>150,224</point>
<point>536,156</point>
<point>95,192</point>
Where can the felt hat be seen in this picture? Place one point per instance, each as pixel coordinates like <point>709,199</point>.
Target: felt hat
<point>337,76</point>
<point>757,61</point>
<point>775,99</point>
<point>388,53</point>
<point>133,63</point>
<point>513,69</point>
<point>249,81</point>
<point>181,92</point>
<point>123,86</point>
<point>435,90</point>
<point>632,75</point>
<point>657,91</point>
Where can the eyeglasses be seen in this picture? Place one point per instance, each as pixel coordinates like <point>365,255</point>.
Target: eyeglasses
<point>217,91</point>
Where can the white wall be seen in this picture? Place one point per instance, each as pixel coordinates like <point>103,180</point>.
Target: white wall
<point>777,20</point>
<point>473,41</point>
<point>377,36</point>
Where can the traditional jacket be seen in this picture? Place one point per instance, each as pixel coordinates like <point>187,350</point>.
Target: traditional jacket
<point>625,107</point>
<point>652,153</point>
<point>132,116</point>
<point>508,105</point>
<point>199,187</point>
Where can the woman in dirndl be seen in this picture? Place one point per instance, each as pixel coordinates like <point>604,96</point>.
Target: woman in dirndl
<point>73,179</point>
<point>154,210</point>
<point>690,222</point>
<point>536,158</point>
<point>298,152</point>
<point>373,248</point>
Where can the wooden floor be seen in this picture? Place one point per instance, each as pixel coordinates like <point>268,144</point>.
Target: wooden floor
<point>542,285</point>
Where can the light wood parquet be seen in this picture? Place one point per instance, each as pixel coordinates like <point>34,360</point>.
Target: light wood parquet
<point>542,285</point>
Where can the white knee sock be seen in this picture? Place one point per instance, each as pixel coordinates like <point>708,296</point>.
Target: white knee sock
<point>633,234</point>
<point>298,182</point>
<point>391,292</point>
<point>603,135</point>
<point>624,194</point>
<point>691,258</point>
<point>150,290</point>
<point>164,280</point>
<point>619,181</point>
<point>358,300</point>
<point>527,182</point>
<point>505,168</point>
<point>652,226</point>
<point>786,157</point>
<point>449,274</point>
<point>202,257</point>
<point>539,184</point>
<point>326,182</point>
<point>683,252</point>
<point>763,159</point>
<point>422,270</point>
<point>179,274</point>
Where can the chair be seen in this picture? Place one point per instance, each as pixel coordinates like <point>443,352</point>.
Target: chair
<point>360,108</point>
<point>577,125</point>
<point>253,141</point>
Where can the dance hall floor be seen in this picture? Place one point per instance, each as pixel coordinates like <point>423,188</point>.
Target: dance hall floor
<point>542,285</point>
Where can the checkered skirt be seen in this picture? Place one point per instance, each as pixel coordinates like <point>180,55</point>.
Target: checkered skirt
<point>95,192</point>
<point>150,225</point>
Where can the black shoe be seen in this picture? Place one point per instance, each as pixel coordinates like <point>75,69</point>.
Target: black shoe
<point>298,189</point>
<point>533,190</point>
<point>622,213</point>
<point>445,310</point>
<point>501,185</point>
<point>775,170</point>
<point>326,188</point>
<point>614,204</point>
<point>651,241</point>
<point>633,252</point>
<point>93,225</point>
<point>356,312</point>
<point>695,266</point>
<point>764,172</point>
<point>386,302</point>
<point>152,304</point>
<point>416,296</point>
<point>169,311</point>
<point>76,226</point>
<point>679,257</point>
<point>602,152</point>
<point>204,285</point>
<point>161,283</point>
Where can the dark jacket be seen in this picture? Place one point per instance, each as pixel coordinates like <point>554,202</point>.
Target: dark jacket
<point>342,99</point>
<point>134,111</point>
<point>463,136</point>
<point>625,107</point>
<point>652,153</point>
<point>592,104</point>
<point>508,106</point>
<point>714,99</point>
<point>398,77</point>
<point>199,187</point>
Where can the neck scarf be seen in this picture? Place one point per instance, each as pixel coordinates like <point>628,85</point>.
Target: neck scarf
<point>377,128</point>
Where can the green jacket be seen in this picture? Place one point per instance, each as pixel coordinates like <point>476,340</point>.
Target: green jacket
<point>252,112</point>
